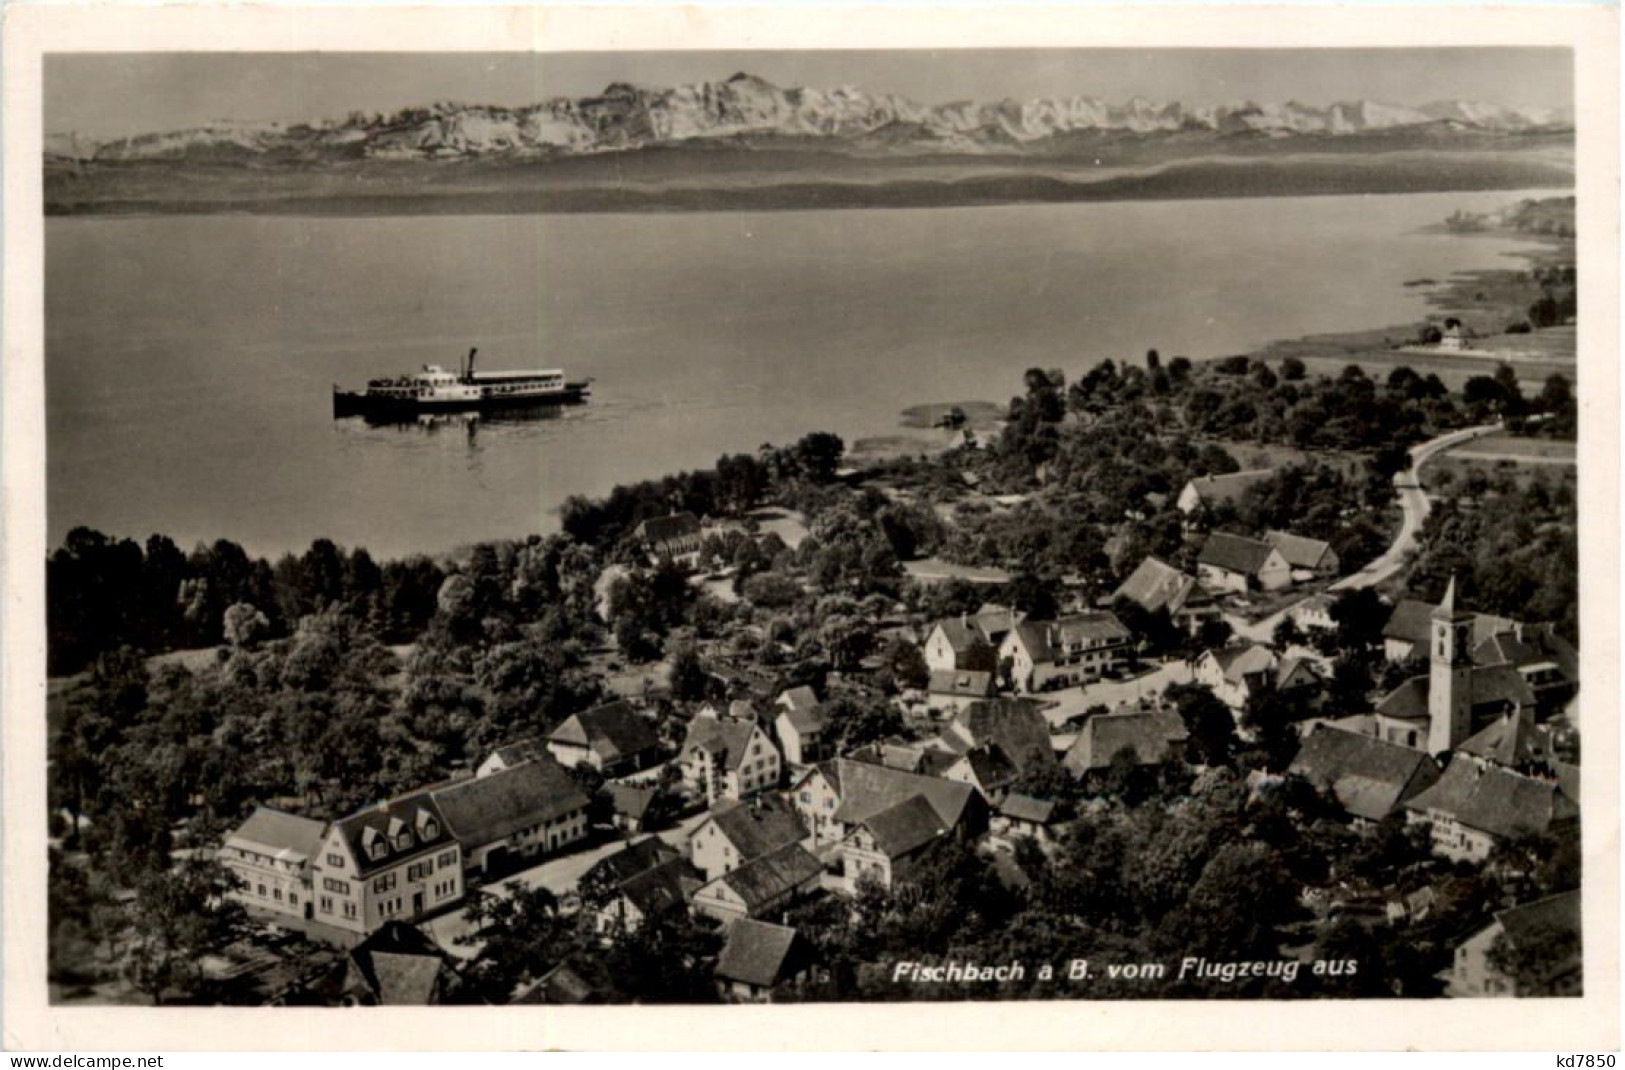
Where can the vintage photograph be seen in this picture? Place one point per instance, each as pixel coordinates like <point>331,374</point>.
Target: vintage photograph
<point>811,526</point>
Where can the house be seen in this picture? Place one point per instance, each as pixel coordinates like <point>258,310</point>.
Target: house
<point>1514,741</point>
<point>563,984</point>
<point>678,536</point>
<point>1072,650</point>
<point>651,892</point>
<point>736,833</point>
<point>1024,815</point>
<point>1548,663</point>
<point>393,861</point>
<point>951,690</point>
<point>1454,336</point>
<point>1545,932</point>
<point>1154,737</point>
<point>1308,558</point>
<point>835,796</point>
<point>1237,672</point>
<point>1369,778</point>
<point>758,957</point>
<point>803,727</point>
<point>1410,626</point>
<point>531,809</point>
<point>1456,699</point>
<point>399,965</point>
<point>987,769</point>
<point>511,754</point>
<point>271,855</point>
<point>728,757</point>
<point>761,886</point>
<point>1230,562</point>
<point>624,864</point>
<point>1208,492</point>
<point>1014,726</point>
<point>1156,586</point>
<point>1476,805</point>
<point>890,845</point>
<point>611,738</point>
<point>966,641</point>
<point>629,805</point>
<point>1314,614</point>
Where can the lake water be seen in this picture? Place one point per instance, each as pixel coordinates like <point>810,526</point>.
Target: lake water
<point>189,360</point>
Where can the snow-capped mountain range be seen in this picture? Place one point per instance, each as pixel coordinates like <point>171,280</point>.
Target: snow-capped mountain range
<point>752,111</point>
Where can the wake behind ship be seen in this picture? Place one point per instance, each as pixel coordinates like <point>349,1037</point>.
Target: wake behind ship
<point>436,390</point>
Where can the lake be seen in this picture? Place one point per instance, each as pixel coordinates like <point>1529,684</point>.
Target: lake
<point>190,360</point>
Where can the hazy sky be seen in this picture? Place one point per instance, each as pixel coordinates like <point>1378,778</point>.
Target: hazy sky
<point>110,95</point>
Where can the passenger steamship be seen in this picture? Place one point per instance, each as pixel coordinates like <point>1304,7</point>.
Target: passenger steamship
<point>435,389</point>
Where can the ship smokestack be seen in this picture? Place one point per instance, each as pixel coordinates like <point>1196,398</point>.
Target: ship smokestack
<point>470,373</point>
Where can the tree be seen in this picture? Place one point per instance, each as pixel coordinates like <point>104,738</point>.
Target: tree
<point>1209,722</point>
<point>179,916</point>
<point>1360,616</point>
<point>1244,892</point>
<point>244,626</point>
<point>521,936</point>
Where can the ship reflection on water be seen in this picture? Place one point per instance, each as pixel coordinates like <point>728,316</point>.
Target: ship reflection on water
<point>450,423</point>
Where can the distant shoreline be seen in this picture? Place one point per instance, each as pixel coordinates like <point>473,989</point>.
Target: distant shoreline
<point>522,189</point>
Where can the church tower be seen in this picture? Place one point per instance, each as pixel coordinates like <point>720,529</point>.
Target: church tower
<point>1450,675</point>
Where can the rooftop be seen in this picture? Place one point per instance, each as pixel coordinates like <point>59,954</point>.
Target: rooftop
<point>1368,777</point>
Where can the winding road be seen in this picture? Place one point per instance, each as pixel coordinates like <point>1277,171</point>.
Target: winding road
<point>1414,506</point>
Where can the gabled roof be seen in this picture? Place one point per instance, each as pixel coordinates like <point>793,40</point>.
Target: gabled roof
<point>522,750</point>
<point>1241,660</point>
<point>1296,672</point>
<point>758,827</point>
<point>1151,734</point>
<point>1211,490</point>
<point>386,821</point>
<point>629,800</point>
<point>280,834</point>
<point>663,529</point>
<point>1018,807</point>
<point>666,886</point>
<point>1234,553</point>
<point>1368,777</point>
<point>613,731</point>
<point>1495,800</point>
<point>1538,644</point>
<point>490,808</point>
<point>775,874</point>
<point>561,984</point>
<point>1155,585</point>
<point>726,739</point>
<point>631,860</point>
<point>906,827</point>
<point>399,965</point>
<point>1044,640</point>
<point>805,718</point>
<point>960,682</point>
<point>1513,741</point>
<point>866,790</point>
<point>757,953</point>
<point>990,767</point>
<point>1013,725</point>
<point>1534,924</point>
<point>1299,551</point>
<point>799,698</point>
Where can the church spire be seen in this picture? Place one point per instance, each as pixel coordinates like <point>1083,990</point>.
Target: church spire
<point>1449,603</point>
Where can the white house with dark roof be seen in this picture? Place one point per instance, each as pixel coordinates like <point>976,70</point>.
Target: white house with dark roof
<point>952,642</point>
<point>271,854</point>
<point>1477,804</point>
<point>1206,492</point>
<point>735,833</point>
<point>835,796</point>
<point>1230,562</point>
<point>1153,736</point>
<point>1305,555</point>
<point>611,738</point>
<point>532,809</point>
<point>1550,926</point>
<point>803,727</point>
<point>758,957</point>
<point>1155,586</point>
<point>1369,778</point>
<point>678,536</point>
<point>393,861</point>
<point>1025,815</point>
<point>511,754</point>
<point>950,690</point>
<point>889,846</point>
<point>761,886</point>
<point>1075,649</point>
<point>1237,672</point>
<point>728,757</point>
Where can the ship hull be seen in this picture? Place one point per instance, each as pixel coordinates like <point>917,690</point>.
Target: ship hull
<point>353,403</point>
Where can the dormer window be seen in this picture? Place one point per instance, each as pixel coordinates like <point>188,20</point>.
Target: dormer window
<point>428,827</point>
<point>373,843</point>
<point>399,834</point>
